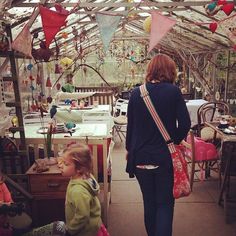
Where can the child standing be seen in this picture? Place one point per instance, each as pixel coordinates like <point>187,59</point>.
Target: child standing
<point>82,207</point>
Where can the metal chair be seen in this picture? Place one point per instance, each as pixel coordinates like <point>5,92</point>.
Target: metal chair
<point>120,119</point>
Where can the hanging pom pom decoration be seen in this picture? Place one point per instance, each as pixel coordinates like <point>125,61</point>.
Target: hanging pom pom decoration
<point>212,8</point>
<point>213,27</point>
<point>147,24</point>
<point>48,83</point>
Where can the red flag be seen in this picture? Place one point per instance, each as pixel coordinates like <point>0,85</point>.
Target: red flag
<point>52,22</point>
<point>159,28</point>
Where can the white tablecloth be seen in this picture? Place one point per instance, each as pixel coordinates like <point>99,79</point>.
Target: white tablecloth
<point>193,106</point>
<point>81,130</point>
<point>65,114</point>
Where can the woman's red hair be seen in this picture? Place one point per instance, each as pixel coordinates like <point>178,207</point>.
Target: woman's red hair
<point>161,68</point>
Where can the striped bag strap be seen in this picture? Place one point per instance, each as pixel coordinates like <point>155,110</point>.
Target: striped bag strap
<point>147,100</point>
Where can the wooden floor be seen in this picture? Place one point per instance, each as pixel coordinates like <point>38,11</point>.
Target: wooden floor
<point>197,215</point>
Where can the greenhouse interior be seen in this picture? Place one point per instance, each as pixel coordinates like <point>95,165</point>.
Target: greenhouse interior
<point>71,79</point>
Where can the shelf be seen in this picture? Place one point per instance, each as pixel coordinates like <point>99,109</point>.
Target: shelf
<point>16,54</point>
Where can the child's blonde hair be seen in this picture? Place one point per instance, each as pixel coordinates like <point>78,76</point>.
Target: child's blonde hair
<point>81,155</point>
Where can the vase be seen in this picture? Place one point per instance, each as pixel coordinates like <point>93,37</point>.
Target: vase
<point>51,161</point>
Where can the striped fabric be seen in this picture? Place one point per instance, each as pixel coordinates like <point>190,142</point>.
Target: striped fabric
<point>156,118</point>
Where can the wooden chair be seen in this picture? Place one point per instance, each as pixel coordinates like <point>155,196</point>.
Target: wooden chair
<point>13,165</point>
<point>201,155</point>
<point>120,119</point>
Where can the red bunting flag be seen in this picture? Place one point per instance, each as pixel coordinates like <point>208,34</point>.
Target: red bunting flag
<point>159,28</point>
<point>52,22</point>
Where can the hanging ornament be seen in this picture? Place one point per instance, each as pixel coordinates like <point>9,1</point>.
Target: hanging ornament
<point>217,96</point>
<point>31,78</point>
<point>213,27</point>
<point>147,24</point>
<point>48,82</point>
<point>58,86</point>
<point>14,121</point>
<point>228,8</point>
<point>30,67</point>
<point>64,35</point>
<point>38,79</point>
<point>212,8</point>
<point>57,69</point>
<point>49,99</point>
<point>66,62</point>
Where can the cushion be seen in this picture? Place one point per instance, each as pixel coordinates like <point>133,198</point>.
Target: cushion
<point>121,120</point>
<point>207,133</point>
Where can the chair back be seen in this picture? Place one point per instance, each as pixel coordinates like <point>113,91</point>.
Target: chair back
<point>102,98</point>
<point>209,111</point>
<point>95,89</point>
<point>117,107</point>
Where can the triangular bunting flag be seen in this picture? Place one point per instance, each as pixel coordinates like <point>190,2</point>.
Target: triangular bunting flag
<point>52,22</point>
<point>22,43</point>
<point>159,28</point>
<point>107,25</point>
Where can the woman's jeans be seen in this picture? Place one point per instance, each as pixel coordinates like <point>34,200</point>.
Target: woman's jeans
<point>157,189</point>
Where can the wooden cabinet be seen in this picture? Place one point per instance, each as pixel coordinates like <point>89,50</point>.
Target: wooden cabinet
<point>48,189</point>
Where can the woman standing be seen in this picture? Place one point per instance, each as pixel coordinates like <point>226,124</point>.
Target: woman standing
<point>148,157</point>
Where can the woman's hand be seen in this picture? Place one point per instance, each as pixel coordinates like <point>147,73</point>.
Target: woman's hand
<point>126,155</point>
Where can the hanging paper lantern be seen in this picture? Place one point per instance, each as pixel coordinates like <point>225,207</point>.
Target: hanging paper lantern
<point>66,61</point>
<point>147,24</point>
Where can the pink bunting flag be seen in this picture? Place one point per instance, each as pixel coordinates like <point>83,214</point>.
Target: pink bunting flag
<point>159,28</point>
<point>22,43</point>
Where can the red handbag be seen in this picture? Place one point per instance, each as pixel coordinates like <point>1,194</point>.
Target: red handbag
<point>181,178</point>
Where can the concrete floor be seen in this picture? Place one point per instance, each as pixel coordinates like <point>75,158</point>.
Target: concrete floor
<point>196,215</point>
